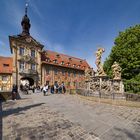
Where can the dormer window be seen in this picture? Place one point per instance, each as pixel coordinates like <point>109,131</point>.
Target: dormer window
<point>78,66</point>
<point>70,59</point>
<point>47,59</point>
<point>74,65</point>
<point>58,56</point>
<point>80,61</point>
<point>62,63</point>
<point>55,61</point>
<point>68,64</point>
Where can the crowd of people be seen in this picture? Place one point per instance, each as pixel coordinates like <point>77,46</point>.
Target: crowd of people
<point>56,88</point>
<point>46,89</point>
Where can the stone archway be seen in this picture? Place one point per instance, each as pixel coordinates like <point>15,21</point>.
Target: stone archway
<point>27,80</point>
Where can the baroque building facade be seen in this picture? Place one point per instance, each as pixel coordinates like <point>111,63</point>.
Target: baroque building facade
<point>58,68</point>
<point>30,62</point>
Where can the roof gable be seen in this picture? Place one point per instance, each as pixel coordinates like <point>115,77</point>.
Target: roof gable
<point>6,66</point>
<point>25,39</point>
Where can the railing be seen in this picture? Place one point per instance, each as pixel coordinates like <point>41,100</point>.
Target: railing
<point>28,71</point>
<point>27,58</point>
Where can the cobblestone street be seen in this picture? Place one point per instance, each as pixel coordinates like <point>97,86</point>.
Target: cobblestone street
<point>67,117</point>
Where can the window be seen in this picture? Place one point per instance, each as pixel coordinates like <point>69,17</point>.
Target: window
<point>47,71</point>
<point>68,73</point>
<point>6,65</point>
<point>4,78</point>
<point>74,74</point>
<point>68,83</point>
<point>63,72</point>
<point>33,66</point>
<point>33,53</point>
<point>74,83</point>
<point>55,72</point>
<point>21,51</point>
<point>21,65</point>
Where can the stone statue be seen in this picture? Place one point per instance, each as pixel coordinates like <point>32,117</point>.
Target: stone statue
<point>116,69</point>
<point>100,70</point>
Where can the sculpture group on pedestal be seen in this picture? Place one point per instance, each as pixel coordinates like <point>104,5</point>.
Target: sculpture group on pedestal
<point>101,82</point>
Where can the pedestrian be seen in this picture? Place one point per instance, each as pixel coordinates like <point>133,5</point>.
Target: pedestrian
<point>56,87</point>
<point>63,88</point>
<point>52,89</point>
<point>44,90</point>
<point>14,92</point>
<point>60,89</point>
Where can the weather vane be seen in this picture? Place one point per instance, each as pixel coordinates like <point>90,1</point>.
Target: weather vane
<point>26,6</point>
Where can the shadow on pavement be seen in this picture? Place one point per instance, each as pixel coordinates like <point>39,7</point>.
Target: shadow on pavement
<point>129,134</point>
<point>18,110</point>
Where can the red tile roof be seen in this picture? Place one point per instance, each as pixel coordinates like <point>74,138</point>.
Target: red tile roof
<point>49,57</point>
<point>6,65</point>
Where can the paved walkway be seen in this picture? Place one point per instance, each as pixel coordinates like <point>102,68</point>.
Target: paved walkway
<point>67,117</point>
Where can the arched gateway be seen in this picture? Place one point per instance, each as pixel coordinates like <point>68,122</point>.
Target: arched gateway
<point>27,80</point>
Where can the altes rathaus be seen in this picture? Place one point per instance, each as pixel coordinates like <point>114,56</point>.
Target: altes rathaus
<point>32,63</point>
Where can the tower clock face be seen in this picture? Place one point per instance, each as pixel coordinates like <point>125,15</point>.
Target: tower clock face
<point>28,39</point>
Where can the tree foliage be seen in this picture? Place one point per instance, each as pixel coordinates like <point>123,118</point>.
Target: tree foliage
<point>126,52</point>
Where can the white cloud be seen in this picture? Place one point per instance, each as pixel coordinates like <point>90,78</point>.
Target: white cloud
<point>36,10</point>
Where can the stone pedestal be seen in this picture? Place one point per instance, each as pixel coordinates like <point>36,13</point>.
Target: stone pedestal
<point>117,86</point>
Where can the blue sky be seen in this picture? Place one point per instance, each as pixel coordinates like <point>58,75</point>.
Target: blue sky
<point>73,27</point>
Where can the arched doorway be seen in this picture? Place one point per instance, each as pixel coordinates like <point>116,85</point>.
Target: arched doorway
<point>27,80</point>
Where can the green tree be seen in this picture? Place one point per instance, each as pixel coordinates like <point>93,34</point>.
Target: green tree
<point>126,52</point>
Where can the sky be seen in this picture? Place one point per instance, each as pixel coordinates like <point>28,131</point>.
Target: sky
<point>73,27</point>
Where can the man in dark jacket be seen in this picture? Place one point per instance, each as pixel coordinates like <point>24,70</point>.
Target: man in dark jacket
<point>14,92</point>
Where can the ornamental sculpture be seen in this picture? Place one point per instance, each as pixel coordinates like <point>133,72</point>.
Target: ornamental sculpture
<point>100,70</point>
<point>116,69</point>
